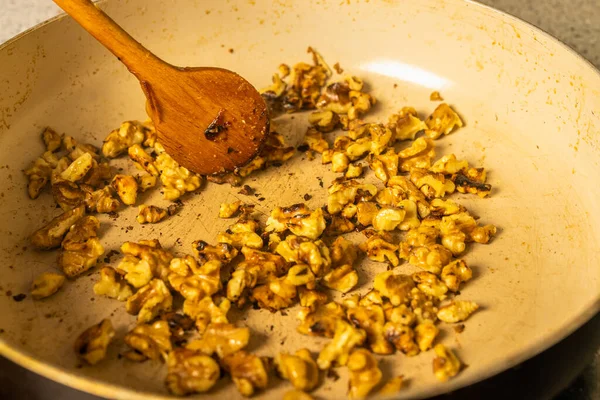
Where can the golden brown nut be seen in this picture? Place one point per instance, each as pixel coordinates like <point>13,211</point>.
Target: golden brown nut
<point>354,171</point>
<point>243,278</point>
<point>433,185</point>
<point>146,182</point>
<point>408,190</point>
<point>381,250</point>
<point>46,284</point>
<point>68,195</point>
<point>371,318</point>
<point>142,159</point>
<point>39,173</point>
<point>337,350</point>
<point>311,299</point>
<point>81,247</point>
<point>472,181</point>
<point>191,372</point>
<point>418,155</point>
<point>346,192</point>
<point>343,278</point>
<point>223,252</point>
<point>299,250</point>
<point>265,297</point>
<point>52,140</point>
<point>315,141</point>
<point>396,288</point>
<point>228,210</point>
<point>91,345</point>
<point>343,252</point>
<point>425,307</point>
<point>366,212</point>
<point>248,372</point>
<point>338,225</point>
<point>78,168</point>
<point>406,124</point>
<point>401,314</point>
<point>324,121</point>
<point>99,175</point>
<point>51,235</point>
<point>388,218</point>
<point>446,364</point>
<point>76,149</point>
<point>61,165</point>
<point>207,311</point>
<point>392,387</point>
<point>429,284</point>
<point>425,334</point>
<point>442,121</point>
<point>457,311</point>
<point>402,337</point>
<point>126,187</point>
<point>222,339</point>
<point>242,233</point>
<point>300,369</point>
<point>128,134</point>
<point>364,374</point>
<point>299,219</point>
<point>112,284</point>
<point>431,257</point>
<point>320,320</point>
<point>143,261</point>
<point>449,165</point>
<point>150,214</point>
<point>193,281</point>
<point>176,180</point>
<point>153,341</point>
<point>149,301</point>
<point>455,273</point>
<point>101,201</point>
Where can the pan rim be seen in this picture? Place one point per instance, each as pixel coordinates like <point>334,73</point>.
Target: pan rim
<point>109,390</point>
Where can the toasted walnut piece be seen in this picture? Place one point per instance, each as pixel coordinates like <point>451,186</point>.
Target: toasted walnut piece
<point>343,279</point>
<point>78,168</point>
<point>138,272</point>
<point>324,121</point>
<point>455,273</point>
<point>270,265</point>
<point>276,89</point>
<point>371,318</point>
<point>207,310</point>
<point>441,208</point>
<point>46,284</point>
<point>311,299</point>
<point>449,165</point>
<point>150,214</point>
<point>429,284</point>
<point>385,165</point>
<point>354,171</point>
<point>128,134</point>
<point>176,180</point>
<point>80,247</point>
<point>431,257</point>
<point>243,278</point>
<point>223,252</point>
<point>149,301</point>
<point>306,83</point>
<point>392,387</point>
<point>349,211</point>
<point>401,314</point>
<point>39,173</point>
<point>456,229</point>
<point>299,219</point>
<point>472,180</point>
<point>299,250</point>
<point>411,192</point>
<point>388,218</point>
<point>146,182</point>
<point>406,124</point>
<point>248,372</point>
<point>228,210</point>
<point>222,339</point>
<point>112,285</point>
<point>320,321</point>
<point>193,281</point>
<point>379,249</point>
<point>76,149</point>
<point>126,187</point>
<point>446,364</point>
<point>339,162</point>
<point>51,139</point>
<point>457,311</point>
<point>418,155</point>
<point>265,297</point>
<point>51,235</point>
<point>99,175</point>
<point>364,374</point>
<point>433,185</point>
<point>191,372</point>
<point>346,192</point>
<point>151,340</point>
<point>366,212</point>
<point>300,369</point>
<point>68,195</point>
<point>315,141</point>
<point>297,395</point>
<point>422,236</point>
<point>101,201</point>
<point>442,121</point>
<point>402,337</point>
<point>342,252</point>
<point>337,350</point>
<point>61,165</point>
<point>395,287</point>
<point>143,160</point>
<point>143,261</point>
<point>338,225</point>
<point>240,234</point>
<point>372,297</point>
<point>91,345</point>
<point>425,334</point>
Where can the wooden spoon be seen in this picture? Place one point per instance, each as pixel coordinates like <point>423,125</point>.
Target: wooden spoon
<point>210,120</point>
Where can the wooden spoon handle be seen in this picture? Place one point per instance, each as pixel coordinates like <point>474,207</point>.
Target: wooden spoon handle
<point>130,52</point>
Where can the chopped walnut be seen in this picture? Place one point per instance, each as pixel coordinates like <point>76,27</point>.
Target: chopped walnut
<point>446,364</point>
<point>52,140</point>
<point>418,155</point>
<point>385,165</point>
<point>176,180</point>
<point>423,305</point>
<point>68,195</point>
<point>337,351</point>
<point>406,124</point>
<point>449,165</point>
<point>149,301</point>
<point>40,172</point>
<point>99,175</point>
<point>371,318</point>
<point>433,185</point>
<point>150,214</point>
<point>310,299</point>
<point>81,247</point>
<point>51,235</point>
<point>266,297</point>
<point>457,311</point>
<point>315,141</point>
<point>472,181</point>
<point>431,257</point>
<point>346,192</point>
<point>411,192</point>
<point>91,345</point>
<point>366,212</point>
<point>306,82</point>
<point>248,372</point>
<point>242,233</point>
<point>381,250</point>
<point>354,171</point>
<point>401,314</point>
<point>425,334</point>
<point>153,341</point>
<point>442,121</point>
<point>207,311</point>
<point>456,229</point>
<point>395,287</point>
<point>388,218</point>
<point>338,225</point>
<point>78,168</point>
<point>429,284</point>
<point>193,281</point>
<point>343,278</point>
<point>101,201</point>
<point>146,182</point>
<point>455,273</point>
<point>46,284</point>
<point>142,159</point>
<point>143,261</point>
<point>402,337</point>
<point>299,219</point>
<point>126,187</point>
<point>324,121</point>
<point>364,374</point>
<point>320,321</point>
<point>297,395</point>
<point>222,339</point>
<point>223,252</point>
<point>228,210</point>
<point>112,284</point>
<point>191,372</point>
<point>128,134</point>
<point>300,369</point>
<point>392,386</point>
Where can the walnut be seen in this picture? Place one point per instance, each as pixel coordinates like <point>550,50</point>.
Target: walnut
<point>337,350</point>
<point>411,192</point>
<point>472,181</point>
<point>143,261</point>
<point>91,345</point>
<point>300,250</point>
<point>423,305</point>
<point>242,233</point>
<point>306,82</point>
<point>191,372</point>
<point>78,168</point>
<point>381,250</point>
<point>346,192</point>
<point>343,278</point>
<point>392,386</point>
<point>112,284</point>
<point>150,214</point>
<point>193,281</point>
<point>153,341</point>
<point>51,235</point>
<point>371,318</point>
<point>80,249</point>
<point>228,210</point>
<point>401,314</point>
<point>126,187</point>
<point>315,141</point>
<point>46,284</point>
<point>449,165</point>
<point>52,140</point>
<point>320,320</point>
<point>395,287</point>
<point>243,278</point>
<point>267,298</point>
<point>176,180</point>
<point>58,169</point>
<point>223,252</point>
<point>402,337</point>
<point>406,124</point>
<point>446,364</point>
<point>142,159</point>
<point>222,339</point>
<point>146,182</point>
<point>425,334</point>
<point>441,208</point>
<point>456,229</point>
<point>431,257</point>
<point>207,310</point>
<point>150,300</point>
<point>366,212</point>
<point>364,374</point>
<point>68,195</point>
<point>39,173</point>
<point>324,121</point>
<point>455,273</point>
<point>275,90</point>
<point>442,121</point>
<point>354,171</point>
<point>457,311</point>
<point>388,218</point>
<point>385,165</point>
<point>342,252</point>
<point>433,185</point>
<point>101,201</point>
<point>248,372</point>
<point>299,219</point>
<point>429,284</point>
<point>300,369</point>
<point>418,155</point>
<point>99,175</point>
<point>310,299</point>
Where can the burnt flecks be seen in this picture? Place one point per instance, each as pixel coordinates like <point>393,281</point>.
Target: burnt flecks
<point>303,147</point>
<point>462,180</point>
<point>307,197</point>
<point>218,126</point>
<point>19,297</point>
<point>246,190</point>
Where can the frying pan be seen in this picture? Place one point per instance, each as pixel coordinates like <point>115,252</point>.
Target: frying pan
<point>531,110</point>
